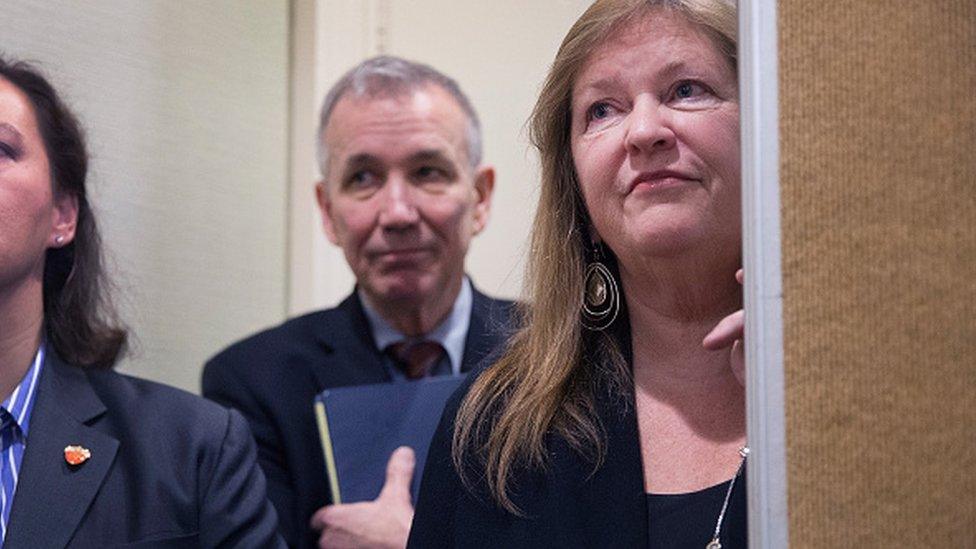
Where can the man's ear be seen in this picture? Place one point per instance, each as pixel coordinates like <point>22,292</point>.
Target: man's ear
<point>484,186</point>
<point>65,219</point>
<point>325,208</point>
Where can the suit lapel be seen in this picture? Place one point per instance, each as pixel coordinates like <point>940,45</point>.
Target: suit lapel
<point>489,327</point>
<point>52,496</point>
<point>351,357</point>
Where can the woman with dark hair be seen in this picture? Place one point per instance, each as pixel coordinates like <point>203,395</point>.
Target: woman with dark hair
<point>616,417</point>
<point>90,457</point>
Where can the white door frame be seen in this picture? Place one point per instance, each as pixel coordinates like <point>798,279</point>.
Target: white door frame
<point>758,85</point>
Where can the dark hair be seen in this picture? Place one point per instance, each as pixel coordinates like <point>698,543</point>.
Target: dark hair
<point>79,320</point>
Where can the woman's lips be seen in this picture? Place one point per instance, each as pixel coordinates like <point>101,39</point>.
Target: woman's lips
<point>660,180</point>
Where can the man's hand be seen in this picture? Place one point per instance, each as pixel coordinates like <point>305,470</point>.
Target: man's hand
<point>729,332</point>
<point>381,523</point>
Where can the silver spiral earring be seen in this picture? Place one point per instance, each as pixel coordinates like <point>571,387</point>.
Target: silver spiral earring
<point>601,295</point>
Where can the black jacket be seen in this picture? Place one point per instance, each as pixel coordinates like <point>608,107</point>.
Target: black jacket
<point>570,504</point>
<point>167,468</point>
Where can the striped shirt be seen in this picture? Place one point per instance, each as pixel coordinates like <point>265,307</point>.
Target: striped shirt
<point>15,413</point>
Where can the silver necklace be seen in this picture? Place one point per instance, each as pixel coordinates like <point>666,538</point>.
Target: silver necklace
<point>715,543</point>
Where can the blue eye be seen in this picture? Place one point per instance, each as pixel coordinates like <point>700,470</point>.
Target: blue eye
<point>689,90</point>
<point>599,111</point>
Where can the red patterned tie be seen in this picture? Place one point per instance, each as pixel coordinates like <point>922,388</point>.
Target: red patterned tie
<point>416,358</point>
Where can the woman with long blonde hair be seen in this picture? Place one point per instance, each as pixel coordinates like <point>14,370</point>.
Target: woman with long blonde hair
<point>616,416</point>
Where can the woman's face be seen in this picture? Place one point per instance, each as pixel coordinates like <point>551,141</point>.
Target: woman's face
<point>655,141</point>
<point>31,218</point>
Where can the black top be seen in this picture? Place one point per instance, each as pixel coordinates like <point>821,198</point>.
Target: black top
<point>679,521</point>
<point>570,503</point>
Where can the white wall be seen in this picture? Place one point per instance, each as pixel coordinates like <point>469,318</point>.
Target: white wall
<point>498,50</point>
<point>201,116</point>
<point>185,104</point>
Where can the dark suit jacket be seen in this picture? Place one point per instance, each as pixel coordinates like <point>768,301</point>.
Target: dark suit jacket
<point>569,505</point>
<point>167,469</point>
<point>273,377</point>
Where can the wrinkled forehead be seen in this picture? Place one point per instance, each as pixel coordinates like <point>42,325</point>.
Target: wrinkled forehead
<point>669,26</point>
<point>423,115</point>
<point>395,133</point>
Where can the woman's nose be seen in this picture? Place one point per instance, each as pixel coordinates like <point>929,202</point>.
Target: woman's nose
<point>649,128</point>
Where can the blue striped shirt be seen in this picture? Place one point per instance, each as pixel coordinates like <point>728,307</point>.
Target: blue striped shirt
<point>15,413</point>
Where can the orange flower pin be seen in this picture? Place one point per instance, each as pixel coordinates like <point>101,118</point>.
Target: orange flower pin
<point>76,455</point>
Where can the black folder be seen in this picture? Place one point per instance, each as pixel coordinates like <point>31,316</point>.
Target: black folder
<point>361,426</point>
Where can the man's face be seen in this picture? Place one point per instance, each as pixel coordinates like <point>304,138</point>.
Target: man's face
<point>400,197</point>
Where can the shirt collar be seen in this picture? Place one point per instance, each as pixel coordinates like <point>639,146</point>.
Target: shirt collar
<point>450,333</point>
<point>20,403</point>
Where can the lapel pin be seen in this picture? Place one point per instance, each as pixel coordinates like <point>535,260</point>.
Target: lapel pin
<point>76,455</point>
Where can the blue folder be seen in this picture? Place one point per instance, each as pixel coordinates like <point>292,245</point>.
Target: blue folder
<point>361,426</point>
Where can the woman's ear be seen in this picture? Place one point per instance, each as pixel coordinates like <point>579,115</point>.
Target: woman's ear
<point>64,221</point>
<point>592,235</point>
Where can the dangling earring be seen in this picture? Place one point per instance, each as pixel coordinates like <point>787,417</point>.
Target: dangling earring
<point>601,295</point>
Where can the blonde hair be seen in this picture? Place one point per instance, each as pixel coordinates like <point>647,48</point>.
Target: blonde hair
<point>546,380</point>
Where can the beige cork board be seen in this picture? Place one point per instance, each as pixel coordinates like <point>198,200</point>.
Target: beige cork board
<point>878,191</point>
